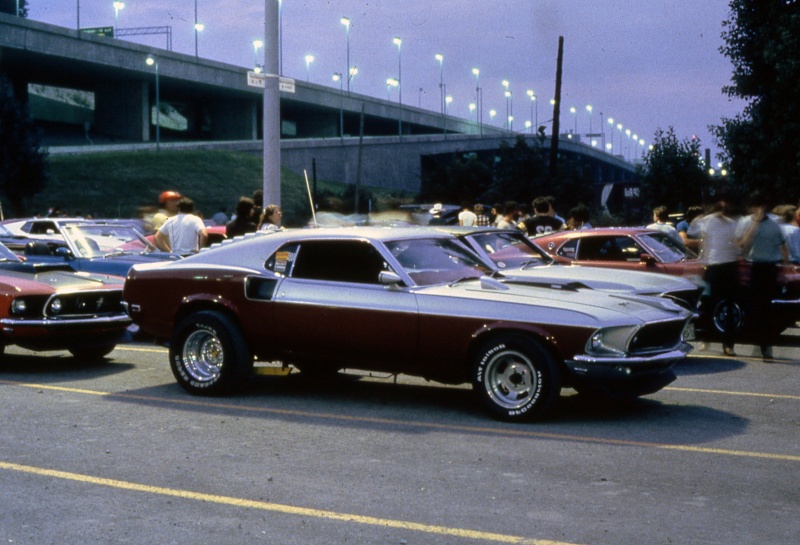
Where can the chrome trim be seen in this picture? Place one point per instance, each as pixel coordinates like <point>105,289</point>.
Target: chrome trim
<point>678,353</point>
<point>786,301</point>
<point>61,322</point>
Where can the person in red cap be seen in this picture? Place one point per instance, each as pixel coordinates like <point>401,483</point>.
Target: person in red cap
<point>169,207</point>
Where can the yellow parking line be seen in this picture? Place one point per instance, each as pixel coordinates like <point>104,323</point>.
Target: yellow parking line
<point>279,508</point>
<point>732,393</point>
<point>516,432</point>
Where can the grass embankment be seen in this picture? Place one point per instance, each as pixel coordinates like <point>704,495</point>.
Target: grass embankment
<point>119,184</point>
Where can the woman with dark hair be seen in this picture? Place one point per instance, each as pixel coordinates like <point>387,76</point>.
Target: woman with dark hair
<point>243,222</point>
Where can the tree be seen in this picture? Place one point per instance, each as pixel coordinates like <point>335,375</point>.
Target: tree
<point>673,174</point>
<point>10,6</point>
<point>762,40</point>
<point>23,163</point>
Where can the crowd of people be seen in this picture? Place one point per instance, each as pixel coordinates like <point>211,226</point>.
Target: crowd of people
<point>536,220</point>
<point>178,229</point>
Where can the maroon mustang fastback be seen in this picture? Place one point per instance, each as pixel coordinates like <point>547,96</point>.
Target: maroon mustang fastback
<point>400,301</point>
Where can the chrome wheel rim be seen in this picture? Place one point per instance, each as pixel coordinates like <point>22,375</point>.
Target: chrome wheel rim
<point>511,379</point>
<point>203,356</point>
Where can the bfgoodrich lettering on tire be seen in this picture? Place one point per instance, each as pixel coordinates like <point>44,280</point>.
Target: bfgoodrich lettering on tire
<point>208,354</point>
<point>515,378</point>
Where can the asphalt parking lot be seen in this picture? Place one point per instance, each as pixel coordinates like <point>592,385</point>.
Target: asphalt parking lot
<point>118,453</point>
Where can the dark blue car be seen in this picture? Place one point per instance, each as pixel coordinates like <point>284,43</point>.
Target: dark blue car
<point>96,248</point>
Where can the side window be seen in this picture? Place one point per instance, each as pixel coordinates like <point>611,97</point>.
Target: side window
<point>338,261</point>
<point>569,249</point>
<point>282,261</point>
<point>610,249</point>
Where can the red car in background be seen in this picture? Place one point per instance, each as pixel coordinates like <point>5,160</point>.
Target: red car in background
<point>642,249</point>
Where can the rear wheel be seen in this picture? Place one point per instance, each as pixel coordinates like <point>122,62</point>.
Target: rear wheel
<point>515,378</point>
<point>208,354</point>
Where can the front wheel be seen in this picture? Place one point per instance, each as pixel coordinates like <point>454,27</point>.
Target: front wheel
<point>515,378</point>
<point>728,316</point>
<point>208,354</point>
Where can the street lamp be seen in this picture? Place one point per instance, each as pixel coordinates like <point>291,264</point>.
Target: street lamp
<point>439,57</point>
<point>508,95</point>
<point>197,28</point>
<point>309,60</point>
<point>536,105</point>
<point>398,42</point>
<point>471,109</point>
<point>346,22</point>
<point>492,113</point>
<point>477,74</point>
<point>390,82</point>
<point>337,76</point>
<point>152,61</point>
<point>353,73</point>
<point>589,109</point>
<point>256,44</point>
<point>447,101</point>
<point>509,111</point>
<point>117,7</point>
<point>574,112</point>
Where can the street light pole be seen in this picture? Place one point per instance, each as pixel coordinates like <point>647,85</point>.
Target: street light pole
<point>346,22</point>
<point>398,42</point>
<point>478,97</point>
<point>309,60</point>
<point>198,27</point>
<point>152,61</point>
<point>117,7</point>
<point>338,77</point>
<point>439,57</point>
<point>256,44</point>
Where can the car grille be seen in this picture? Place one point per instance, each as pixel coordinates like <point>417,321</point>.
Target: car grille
<point>657,337</point>
<point>81,304</point>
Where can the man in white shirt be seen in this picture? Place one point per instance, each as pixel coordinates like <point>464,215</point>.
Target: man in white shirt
<point>183,234</point>
<point>466,217</point>
<point>660,218</point>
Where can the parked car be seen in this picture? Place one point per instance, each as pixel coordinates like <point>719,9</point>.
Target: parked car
<point>513,253</point>
<point>41,228</point>
<point>402,300</point>
<point>51,307</point>
<point>643,249</point>
<point>99,248</point>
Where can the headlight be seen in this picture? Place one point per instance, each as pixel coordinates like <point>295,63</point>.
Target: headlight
<point>611,341</point>
<point>56,306</point>
<point>19,306</point>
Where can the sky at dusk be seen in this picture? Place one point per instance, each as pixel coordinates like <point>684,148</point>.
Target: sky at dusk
<point>648,65</point>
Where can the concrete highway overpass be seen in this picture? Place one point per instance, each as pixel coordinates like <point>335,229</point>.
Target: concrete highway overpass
<point>217,108</point>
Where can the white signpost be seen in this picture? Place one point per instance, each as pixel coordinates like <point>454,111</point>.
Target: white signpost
<point>255,79</point>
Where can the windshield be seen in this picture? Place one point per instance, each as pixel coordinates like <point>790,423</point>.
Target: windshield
<point>666,249</point>
<point>99,240</point>
<point>509,250</point>
<point>436,260</point>
<point>7,255</point>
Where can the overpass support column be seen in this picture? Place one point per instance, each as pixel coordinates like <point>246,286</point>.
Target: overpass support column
<point>121,109</point>
<point>234,120</point>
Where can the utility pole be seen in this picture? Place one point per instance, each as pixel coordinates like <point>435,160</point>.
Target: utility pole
<point>556,112</point>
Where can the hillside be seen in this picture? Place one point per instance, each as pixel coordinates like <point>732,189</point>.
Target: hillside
<point>120,184</point>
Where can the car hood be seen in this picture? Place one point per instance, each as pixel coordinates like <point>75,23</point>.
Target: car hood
<point>554,303</point>
<point>642,283</point>
<point>53,279</point>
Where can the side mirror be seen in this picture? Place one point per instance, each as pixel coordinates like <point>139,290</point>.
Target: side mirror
<point>647,259</point>
<point>64,252</point>
<point>388,278</point>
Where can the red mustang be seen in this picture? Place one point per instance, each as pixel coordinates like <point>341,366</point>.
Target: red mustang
<point>407,301</point>
<point>641,249</point>
<point>51,307</point>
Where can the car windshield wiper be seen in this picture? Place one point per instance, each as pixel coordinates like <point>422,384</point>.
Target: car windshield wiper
<point>534,263</point>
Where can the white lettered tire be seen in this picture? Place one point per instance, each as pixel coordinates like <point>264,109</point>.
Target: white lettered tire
<point>208,354</point>
<point>515,378</point>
